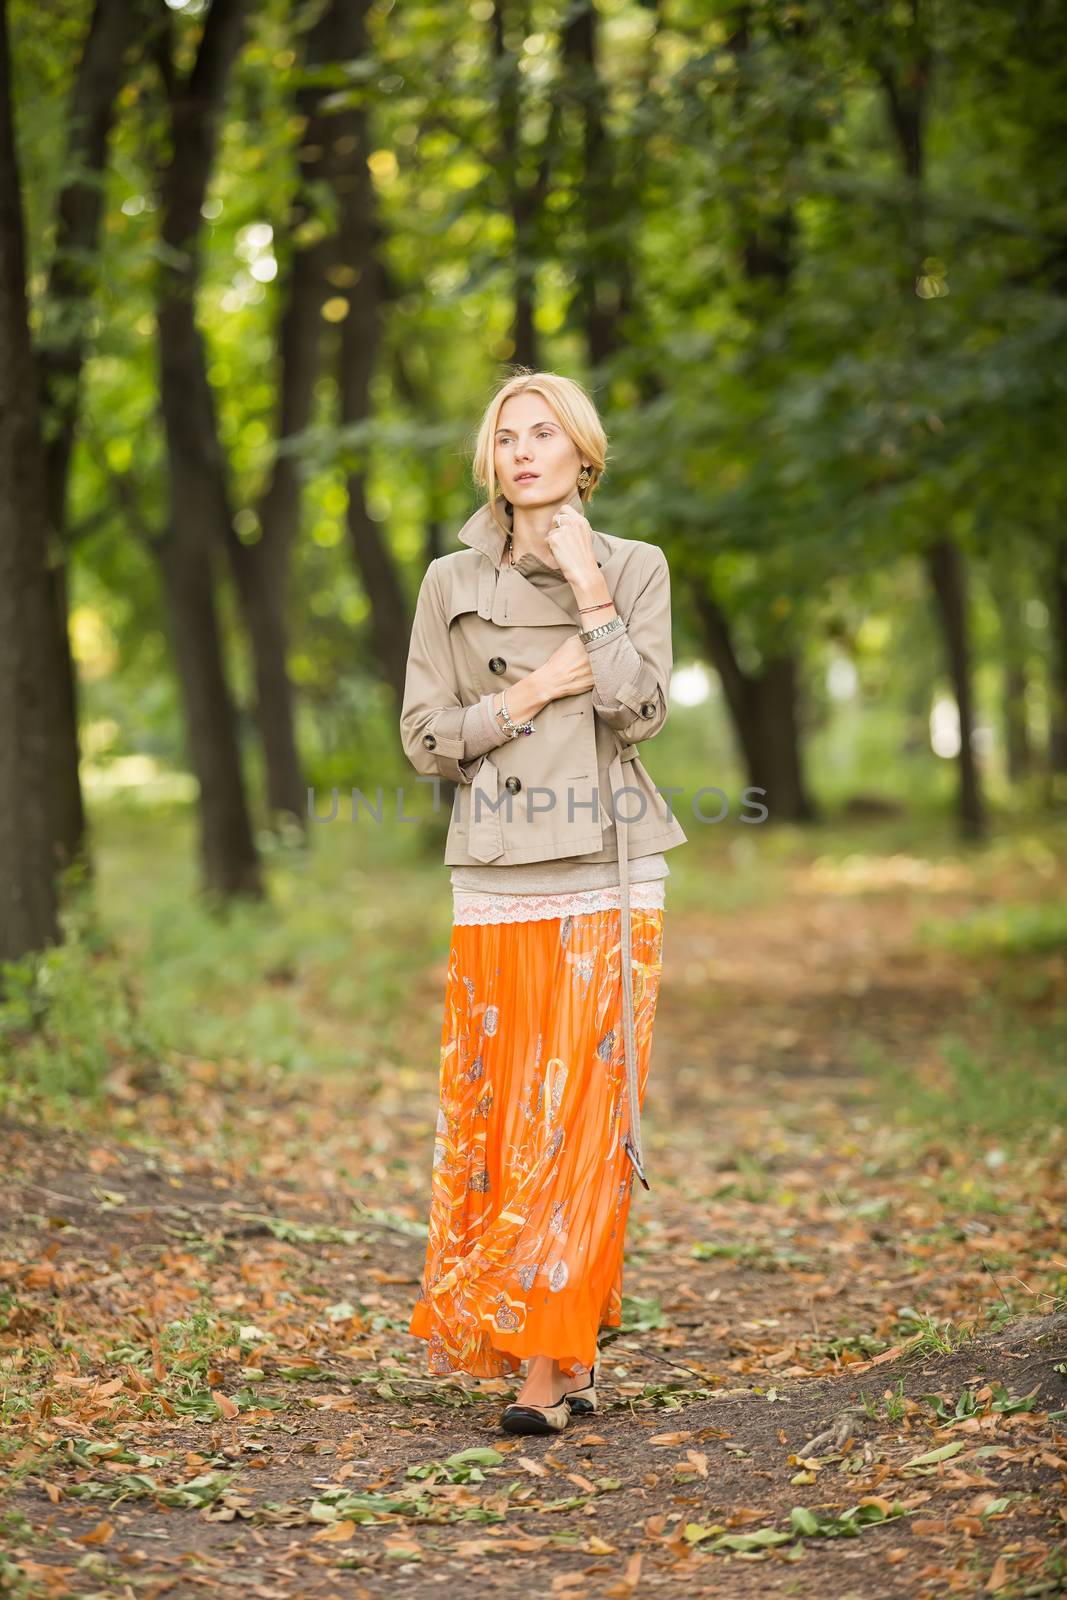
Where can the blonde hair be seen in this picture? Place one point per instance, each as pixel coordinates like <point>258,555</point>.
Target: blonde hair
<point>576,412</point>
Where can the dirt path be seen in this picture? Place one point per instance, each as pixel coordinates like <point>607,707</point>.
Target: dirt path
<point>835,1377</point>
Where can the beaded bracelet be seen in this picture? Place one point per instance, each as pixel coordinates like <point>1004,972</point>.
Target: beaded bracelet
<point>513,729</point>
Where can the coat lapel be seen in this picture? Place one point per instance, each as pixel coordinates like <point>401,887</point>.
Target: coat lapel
<point>505,595</point>
<point>520,603</point>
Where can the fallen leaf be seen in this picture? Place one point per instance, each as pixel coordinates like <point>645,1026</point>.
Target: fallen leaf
<point>98,1535</point>
<point>942,1453</point>
<point>336,1533</point>
<point>999,1575</point>
<point>582,1483</point>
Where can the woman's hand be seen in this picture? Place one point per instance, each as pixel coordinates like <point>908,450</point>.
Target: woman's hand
<point>567,670</point>
<point>571,541</point>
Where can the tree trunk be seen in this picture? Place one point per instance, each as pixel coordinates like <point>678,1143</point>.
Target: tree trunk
<point>358,243</point>
<point>67,302</point>
<point>763,707</point>
<point>1018,756</point>
<point>763,712</point>
<point>197,497</point>
<point>604,270</point>
<point>520,200</point>
<point>1005,593</point>
<point>905,77</point>
<point>948,577</point>
<point>774,704</point>
<point>261,569</point>
<point>30,690</point>
<point>1057,750</point>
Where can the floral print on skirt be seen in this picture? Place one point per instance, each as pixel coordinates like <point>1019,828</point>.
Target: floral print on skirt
<point>531,1188</point>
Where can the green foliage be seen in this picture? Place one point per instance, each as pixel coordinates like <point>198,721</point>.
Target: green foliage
<point>819,364</point>
<point>71,1017</point>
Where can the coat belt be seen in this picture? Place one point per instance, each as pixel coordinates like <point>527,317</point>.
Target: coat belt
<point>632,1141</point>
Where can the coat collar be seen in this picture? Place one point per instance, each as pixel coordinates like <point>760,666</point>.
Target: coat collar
<point>480,532</point>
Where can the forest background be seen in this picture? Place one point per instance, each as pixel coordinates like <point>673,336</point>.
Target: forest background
<point>261,267</point>
<point>810,259</point>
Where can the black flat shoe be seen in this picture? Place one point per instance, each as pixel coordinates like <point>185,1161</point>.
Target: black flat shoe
<point>582,1402</point>
<point>527,1418</point>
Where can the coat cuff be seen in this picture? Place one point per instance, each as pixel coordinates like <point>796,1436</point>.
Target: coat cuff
<point>462,736</point>
<point>619,672</point>
<point>640,690</point>
<point>447,732</point>
<point>482,729</point>
<point>627,694</point>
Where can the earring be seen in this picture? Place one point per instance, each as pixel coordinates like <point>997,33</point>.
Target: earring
<point>584,478</point>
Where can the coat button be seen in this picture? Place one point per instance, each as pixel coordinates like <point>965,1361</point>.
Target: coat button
<point>429,741</point>
<point>497,664</point>
<point>647,708</point>
<point>513,783</point>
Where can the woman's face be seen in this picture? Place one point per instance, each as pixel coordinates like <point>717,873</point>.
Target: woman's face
<point>536,462</point>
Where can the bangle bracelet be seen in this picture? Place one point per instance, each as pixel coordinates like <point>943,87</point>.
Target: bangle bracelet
<point>598,607</point>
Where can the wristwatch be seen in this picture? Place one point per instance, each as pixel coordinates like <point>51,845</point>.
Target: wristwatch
<point>605,627</point>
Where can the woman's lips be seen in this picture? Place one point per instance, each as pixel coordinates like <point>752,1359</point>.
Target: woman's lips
<point>528,477</point>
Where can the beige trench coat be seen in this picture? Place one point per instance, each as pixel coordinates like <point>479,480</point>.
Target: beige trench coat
<point>480,625</point>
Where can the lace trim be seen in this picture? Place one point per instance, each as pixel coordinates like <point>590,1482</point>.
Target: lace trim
<point>479,907</point>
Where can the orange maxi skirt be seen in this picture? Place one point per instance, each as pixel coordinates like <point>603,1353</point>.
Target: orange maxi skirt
<point>531,1187</point>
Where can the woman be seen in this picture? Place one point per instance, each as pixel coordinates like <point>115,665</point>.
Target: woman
<point>540,657</point>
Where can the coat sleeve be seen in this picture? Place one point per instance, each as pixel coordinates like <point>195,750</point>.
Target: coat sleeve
<point>441,736</point>
<point>632,668</point>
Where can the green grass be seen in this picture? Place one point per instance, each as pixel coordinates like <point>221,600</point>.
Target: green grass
<point>1002,1073</point>
<point>338,969</point>
<point>1009,929</point>
<point>317,977</point>
<point>1011,1086</point>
